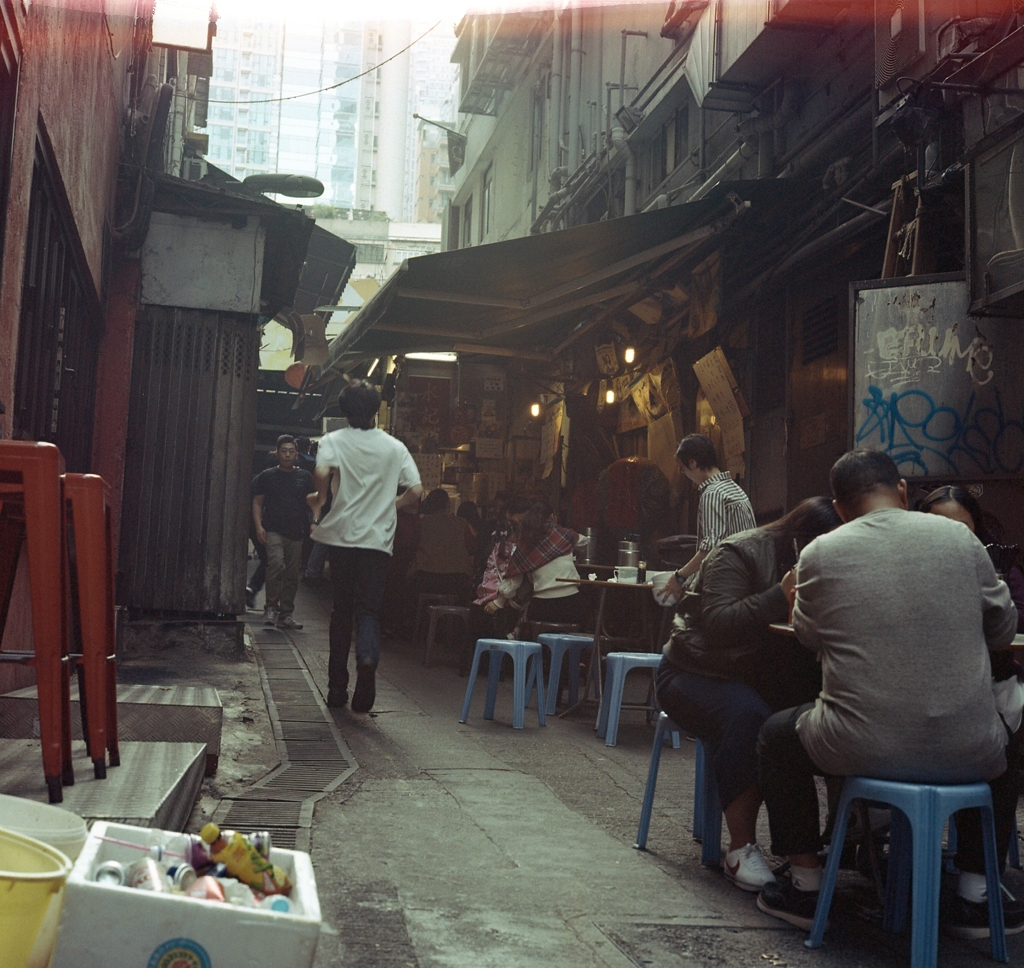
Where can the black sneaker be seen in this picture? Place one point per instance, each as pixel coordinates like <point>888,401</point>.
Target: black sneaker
<point>337,700</point>
<point>366,690</point>
<point>783,900</point>
<point>969,919</point>
<point>250,597</point>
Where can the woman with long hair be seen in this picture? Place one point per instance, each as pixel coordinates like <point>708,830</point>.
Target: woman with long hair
<point>961,505</point>
<point>725,672</point>
<point>542,555</point>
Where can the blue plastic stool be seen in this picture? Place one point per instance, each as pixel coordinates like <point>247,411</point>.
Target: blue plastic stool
<point>560,644</point>
<point>915,850</point>
<point>664,728</point>
<point>526,669</point>
<point>1012,852</point>
<point>619,664</point>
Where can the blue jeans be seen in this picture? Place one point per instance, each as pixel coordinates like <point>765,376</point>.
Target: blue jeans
<point>725,716</point>
<point>358,576</point>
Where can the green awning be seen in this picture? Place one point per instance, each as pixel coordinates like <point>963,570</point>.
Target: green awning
<point>527,294</point>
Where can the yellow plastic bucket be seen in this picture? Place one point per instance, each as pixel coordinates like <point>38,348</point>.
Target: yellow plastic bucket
<point>32,876</point>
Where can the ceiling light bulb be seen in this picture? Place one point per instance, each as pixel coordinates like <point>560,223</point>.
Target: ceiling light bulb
<point>630,354</point>
<point>534,409</point>
<point>609,396</point>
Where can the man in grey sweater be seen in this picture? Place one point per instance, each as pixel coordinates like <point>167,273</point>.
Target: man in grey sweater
<point>902,610</point>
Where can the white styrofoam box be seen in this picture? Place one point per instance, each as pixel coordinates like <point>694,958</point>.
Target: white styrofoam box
<point>106,925</point>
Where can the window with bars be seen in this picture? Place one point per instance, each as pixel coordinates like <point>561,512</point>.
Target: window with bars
<point>60,326</point>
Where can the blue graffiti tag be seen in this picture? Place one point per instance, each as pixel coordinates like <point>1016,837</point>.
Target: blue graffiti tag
<point>925,438</point>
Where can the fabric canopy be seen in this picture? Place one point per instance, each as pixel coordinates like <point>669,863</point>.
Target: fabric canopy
<point>525,295</point>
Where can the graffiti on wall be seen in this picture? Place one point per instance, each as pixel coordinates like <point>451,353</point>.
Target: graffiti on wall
<point>938,391</point>
<point>927,438</point>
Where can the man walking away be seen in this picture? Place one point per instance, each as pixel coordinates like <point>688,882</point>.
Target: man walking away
<point>364,469</point>
<point>902,610</point>
<point>723,509</point>
<point>281,517</point>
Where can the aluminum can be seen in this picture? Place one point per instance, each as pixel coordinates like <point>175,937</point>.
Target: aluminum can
<point>147,875</point>
<point>261,840</point>
<point>641,572</point>
<point>109,872</point>
<point>183,876</point>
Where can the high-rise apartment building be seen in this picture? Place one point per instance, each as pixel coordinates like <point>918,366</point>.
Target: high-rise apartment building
<point>358,138</point>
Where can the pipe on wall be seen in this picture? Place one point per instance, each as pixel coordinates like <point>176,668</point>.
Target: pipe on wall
<point>743,153</point>
<point>555,119</point>
<point>575,86</point>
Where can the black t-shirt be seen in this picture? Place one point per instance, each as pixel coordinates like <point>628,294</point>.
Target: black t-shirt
<point>284,501</point>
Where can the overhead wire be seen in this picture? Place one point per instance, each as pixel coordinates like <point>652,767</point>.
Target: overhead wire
<point>330,87</point>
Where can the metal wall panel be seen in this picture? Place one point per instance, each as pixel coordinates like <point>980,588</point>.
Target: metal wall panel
<point>191,434</point>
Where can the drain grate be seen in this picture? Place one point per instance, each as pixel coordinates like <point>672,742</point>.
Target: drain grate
<point>314,757</point>
<point>247,813</point>
<point>293,713</point>
<point>290,673</point>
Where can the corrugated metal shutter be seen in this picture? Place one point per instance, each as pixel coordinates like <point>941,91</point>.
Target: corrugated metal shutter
<point>191,434</point>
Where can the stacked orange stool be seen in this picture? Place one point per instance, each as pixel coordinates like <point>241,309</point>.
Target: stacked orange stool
<point>87,499</point>
<point>32,516</point>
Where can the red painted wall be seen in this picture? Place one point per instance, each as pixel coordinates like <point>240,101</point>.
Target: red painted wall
<point>74,84</point>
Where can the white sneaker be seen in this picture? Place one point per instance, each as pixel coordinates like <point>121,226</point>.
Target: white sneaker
<point>748,869</point>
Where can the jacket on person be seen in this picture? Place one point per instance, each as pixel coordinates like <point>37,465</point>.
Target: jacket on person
<point>723,621</point>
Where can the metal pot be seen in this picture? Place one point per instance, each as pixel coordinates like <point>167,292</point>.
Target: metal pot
<point>629,553</point>
<point>586,548</point>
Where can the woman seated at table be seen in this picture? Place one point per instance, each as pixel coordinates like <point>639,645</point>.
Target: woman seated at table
<point>725,671</point>
<point>542,555</point>
<point>442,565</point>
<point>958,504</point>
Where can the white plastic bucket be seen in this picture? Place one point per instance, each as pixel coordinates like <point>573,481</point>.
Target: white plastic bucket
<point>62,829</point>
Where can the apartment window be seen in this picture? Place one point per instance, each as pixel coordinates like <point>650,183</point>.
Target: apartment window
<point>487,202</point>
<point>467,222</point>
<point>225,64</point>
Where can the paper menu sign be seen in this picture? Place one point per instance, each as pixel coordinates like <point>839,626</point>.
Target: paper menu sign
<point>718,383</point>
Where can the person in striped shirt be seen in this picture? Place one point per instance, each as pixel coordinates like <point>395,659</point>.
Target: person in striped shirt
<point>723,508</point>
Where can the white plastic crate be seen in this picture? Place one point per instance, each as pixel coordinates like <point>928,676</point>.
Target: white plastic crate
<point>106,925</point>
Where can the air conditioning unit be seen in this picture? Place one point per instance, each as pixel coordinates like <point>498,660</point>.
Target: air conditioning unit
<point>900,41</point>
<point>995,227</point>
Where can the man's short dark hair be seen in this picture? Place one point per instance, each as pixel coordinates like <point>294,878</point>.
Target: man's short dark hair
<point>302,444</point>
<point>858,472</point>
<point>697,447</point>
<point>360,402</point>
<point>284,439</point>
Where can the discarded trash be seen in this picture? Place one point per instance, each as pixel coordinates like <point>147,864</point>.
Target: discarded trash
<point>147,875</point>
<point>206,889</point>
<point>244,861</point>
<point>182,876</point>
<point>109,872</point>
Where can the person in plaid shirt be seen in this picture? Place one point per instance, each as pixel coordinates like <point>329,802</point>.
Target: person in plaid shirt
<point>542,554</point>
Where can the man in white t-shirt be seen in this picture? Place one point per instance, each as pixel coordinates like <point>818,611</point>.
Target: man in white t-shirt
<point>365,468</point>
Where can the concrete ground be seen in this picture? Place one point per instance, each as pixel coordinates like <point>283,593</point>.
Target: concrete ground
<point>475,845</point>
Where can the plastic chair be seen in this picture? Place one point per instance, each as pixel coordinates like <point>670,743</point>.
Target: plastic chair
<point>438,612</point>
<point>619,664</point>
<point>87,499</point>
<point>707,809</point>
<point>33,512</point>
<point>664,728</point>
<point>527,670</point>
<point>425,600</point>
<point>915,851</point>
<point>559,645</point>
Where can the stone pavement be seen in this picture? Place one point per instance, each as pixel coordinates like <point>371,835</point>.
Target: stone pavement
<point>473,845</point>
